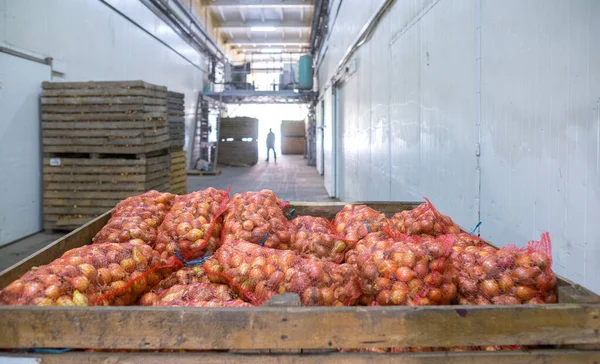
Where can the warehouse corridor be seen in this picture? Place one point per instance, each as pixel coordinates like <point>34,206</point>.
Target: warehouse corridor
<point>290,178</point>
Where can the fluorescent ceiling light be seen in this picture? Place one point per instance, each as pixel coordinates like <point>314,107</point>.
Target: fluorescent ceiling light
<point>263,29</point>
<point>270,50</point>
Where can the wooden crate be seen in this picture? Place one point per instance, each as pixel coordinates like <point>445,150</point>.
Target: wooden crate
<point>178,173</point>
<point>79,188</point>
<point>238,153</point>
<point>293,128</point>
<point>292,145</point>
<point>104,117</point>
<point>238,128</point>
<point>567,332</point>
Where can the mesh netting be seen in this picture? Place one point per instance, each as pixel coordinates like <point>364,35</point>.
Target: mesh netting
<point>185,275</point>
<point>258,272</point>
<point>192,219</point>
<point>354,222</point>
<point>507,276</point>
<point>256,216</point>
<point>136,217</point>
<point>423,219</point>
<point>315,238</point>
<point>82,276</point>
<point>194,294</point>
<point>404,270</point>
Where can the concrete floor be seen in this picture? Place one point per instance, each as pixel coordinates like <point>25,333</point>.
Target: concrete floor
<point>290,178</point>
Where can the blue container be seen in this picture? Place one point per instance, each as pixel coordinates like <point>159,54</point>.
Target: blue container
<point>305,70</point>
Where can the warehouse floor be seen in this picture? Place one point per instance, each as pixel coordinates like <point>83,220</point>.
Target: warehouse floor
<point>290,178</point>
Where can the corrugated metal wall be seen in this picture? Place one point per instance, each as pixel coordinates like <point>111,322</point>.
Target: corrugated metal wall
<point>438,78</point>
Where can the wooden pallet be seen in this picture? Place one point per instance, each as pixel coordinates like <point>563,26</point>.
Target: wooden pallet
<point>292,145</point>
<point>293,128</point>
<point>238,128</point>
<point>104,117</point>
<point>567,332</point>
<point>178,172</point>
<point>78,188</point>
<point>216,172</point>
<point>238,153</point>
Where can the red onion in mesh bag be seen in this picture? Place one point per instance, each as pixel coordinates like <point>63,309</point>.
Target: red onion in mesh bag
<point>194,295</point>
<point>404,270</point>
<point>258,272</point>
<point>509,275</point>
<point>315,238</point>
<point>424,219</point>
<point>187,224</point>
<point>255,216</point>
<point>136,217</point>
<point>354,222</point>
<point>84,275</point>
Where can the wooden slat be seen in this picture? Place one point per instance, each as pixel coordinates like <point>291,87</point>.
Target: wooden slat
<point>482,357</point>
<point>106,203</point>
<point>71,210</point>
<point>89,194</point>
<point>106,133</point>
<point>122,117</point>
<point>101,85</point>
<point>94,109</point>
<point>105,125</point>
<point>576,294</point>
<point>93,170</point>
<point>92,100</point>
<point>66,186</point>
<point>105,149</point>
<point>77,238</point>
<point>98,162</point>
<point>287,328</point>
<point>103,92</point>
<point>113,178</point>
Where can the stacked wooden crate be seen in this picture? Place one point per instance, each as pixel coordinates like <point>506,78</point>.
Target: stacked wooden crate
<point>293,136</point>
<point>178,171</point>
<point>238,141</point>
<point>102,142</point>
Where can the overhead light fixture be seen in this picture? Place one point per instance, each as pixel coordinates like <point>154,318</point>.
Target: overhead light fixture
<point>270,50</point>
<point>263,29</point>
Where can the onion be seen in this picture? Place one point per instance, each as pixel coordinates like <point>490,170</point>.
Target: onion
<point>525,293</point>
<point>490,288</point>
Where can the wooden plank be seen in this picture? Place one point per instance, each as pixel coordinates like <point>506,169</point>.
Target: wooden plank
<point>137,116</point>
<point>119,100</point>
<point>481,357</point>
<point>105,149</point>
<point>113,178</point>
<point>113,91</point>
<point>287,328</point>
<point>97,162</point>
<point>94,170</point>
<point>175,95</point>
<point>77,238</point>
<point>329,209</point>
<point>89,194</point>
<point>66,186</point>
<point>106,203</point>
<point>216,172</point>
<point>106,133</point>
<point>105,125</point>
<point>101,85</point>
<point>72,210</point>
<point>93,141</point>
<point>576,294</point>
<point>62,109</point>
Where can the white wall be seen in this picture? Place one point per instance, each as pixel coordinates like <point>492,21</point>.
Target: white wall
<point>89,40</point>
<point>440,76</point>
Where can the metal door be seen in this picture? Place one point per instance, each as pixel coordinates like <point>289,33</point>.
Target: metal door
<point>20,147</point>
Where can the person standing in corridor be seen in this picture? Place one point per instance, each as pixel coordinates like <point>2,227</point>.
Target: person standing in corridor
<point>271,145</point>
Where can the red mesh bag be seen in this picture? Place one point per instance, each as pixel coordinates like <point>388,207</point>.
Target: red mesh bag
<point>315,238</point>
<point>424,219</point>
<point>185,275</point>
<point>404,270</point>
<point>83,275</point>
<point>257,273</point>
<point>136,217</point>
<point>354,222</point>
<point>195,294</point>
<point>507,276</point>
<point>190,220</point>
<point>256,216</point>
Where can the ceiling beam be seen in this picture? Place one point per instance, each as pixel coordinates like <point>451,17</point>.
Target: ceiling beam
<point>222,13</point>
<point>262,3</point>
<point>264,42</point>
<point>288,25</point>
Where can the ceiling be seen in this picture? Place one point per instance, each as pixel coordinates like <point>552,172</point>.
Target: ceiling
<point>264,26</point>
